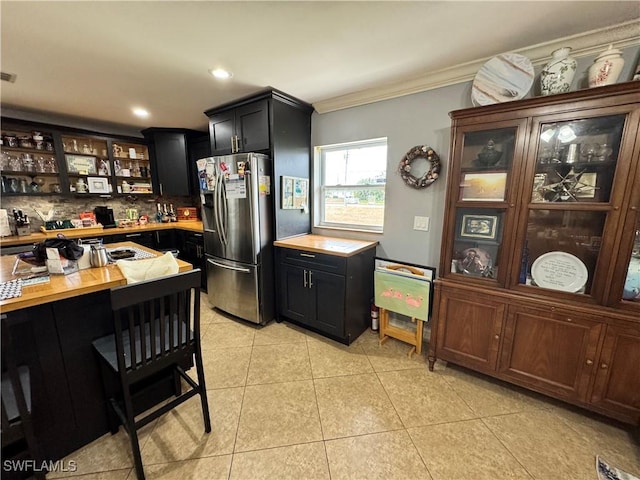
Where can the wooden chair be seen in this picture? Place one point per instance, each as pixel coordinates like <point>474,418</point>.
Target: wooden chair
<point>157,330</point>
<point>17,426</point>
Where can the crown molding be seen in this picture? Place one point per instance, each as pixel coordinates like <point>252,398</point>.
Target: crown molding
<point>583,44</point>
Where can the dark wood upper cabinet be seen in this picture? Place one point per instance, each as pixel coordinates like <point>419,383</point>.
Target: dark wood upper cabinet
<point>241,129</point>
<point>173,172</point>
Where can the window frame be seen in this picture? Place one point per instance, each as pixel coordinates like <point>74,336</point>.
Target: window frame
<point>322,188</point>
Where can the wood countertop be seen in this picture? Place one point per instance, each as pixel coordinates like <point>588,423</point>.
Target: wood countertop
<point>13,240</point>
<point>341,247</point>
<point>66,286</point>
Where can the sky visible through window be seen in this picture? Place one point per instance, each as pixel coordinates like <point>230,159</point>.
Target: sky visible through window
<point>356,166</point>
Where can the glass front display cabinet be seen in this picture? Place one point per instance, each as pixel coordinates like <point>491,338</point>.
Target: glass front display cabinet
<point>540,260</point>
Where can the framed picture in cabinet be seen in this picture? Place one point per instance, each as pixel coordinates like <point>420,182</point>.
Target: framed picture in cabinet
<point>81,165</point>
<point>481,227</point>
<point>483,186</point>
<point>98,185</point>
<point>586,186</point>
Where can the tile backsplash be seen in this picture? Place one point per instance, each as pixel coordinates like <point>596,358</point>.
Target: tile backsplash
<point>69,208</point>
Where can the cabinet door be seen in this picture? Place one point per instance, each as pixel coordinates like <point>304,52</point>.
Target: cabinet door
<point>550,350</point>
<point>617,382</point>
<point>171,163</point>
<point>487,160</point>
<point>328,300</point>
<point>469,328</point>
<point>252,126</point>
<point>221,132</point>
<point>571,201</point>
<point>294,294</point>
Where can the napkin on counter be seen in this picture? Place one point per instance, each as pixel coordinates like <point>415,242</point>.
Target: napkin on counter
<point>140,270</point>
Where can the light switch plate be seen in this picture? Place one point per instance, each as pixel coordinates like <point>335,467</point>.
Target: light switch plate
<point>421,223</point>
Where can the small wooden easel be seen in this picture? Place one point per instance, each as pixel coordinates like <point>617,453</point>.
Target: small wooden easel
<point>401,334</point>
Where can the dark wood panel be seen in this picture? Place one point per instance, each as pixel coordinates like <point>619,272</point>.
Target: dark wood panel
<point>617,382</point>
<point>221,130</point>
<point>469,331</point>
<point>252,127</point>
<point>553,351</point>
<point>328,298</point>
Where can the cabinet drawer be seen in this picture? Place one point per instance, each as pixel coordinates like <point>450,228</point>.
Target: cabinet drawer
<point>317,261</point>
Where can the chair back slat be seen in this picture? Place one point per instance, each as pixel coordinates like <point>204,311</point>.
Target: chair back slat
<point>158,324</point>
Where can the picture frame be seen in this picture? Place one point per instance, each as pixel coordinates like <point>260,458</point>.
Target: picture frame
<point>98,184</point>
<point>81,165</point>
<point>539,181</point>
<point>586,188</point>
<point>483,187</point>
<point>294,193</point>
<point>483,227</point>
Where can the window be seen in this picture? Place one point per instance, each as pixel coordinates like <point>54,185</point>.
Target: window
<point>352,178</point>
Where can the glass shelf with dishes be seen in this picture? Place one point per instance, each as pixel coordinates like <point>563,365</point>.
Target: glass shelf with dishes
<point>87,165</point>
<point>576,160</point>
<point>28,163</point>
<point>132,168</point>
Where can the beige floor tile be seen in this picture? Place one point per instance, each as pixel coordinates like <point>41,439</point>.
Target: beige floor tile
<point>479,455</point>
<point>228,334</point>
<point>107,453</point>
<point>306,461</point>
<point>354,405</point>
<point>487,396</point>
<point>208,468</point>
<point>611,440</point>
<point>226,367</point>
<point>392,355</point>
<point>180,435</point>
<point>274,333</point>
<point>108,475</point>
<point>544,445</point>
<point>209,315</point>
<point>423,398</point>
<point>278,414</point>
<point>333,359</point>
<point>285,362</point>
<point>383,456</point>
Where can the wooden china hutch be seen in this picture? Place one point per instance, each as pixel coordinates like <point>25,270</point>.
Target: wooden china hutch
<point>540,260</point>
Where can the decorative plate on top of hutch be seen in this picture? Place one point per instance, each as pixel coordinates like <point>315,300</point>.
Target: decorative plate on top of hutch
<point>549,183</point>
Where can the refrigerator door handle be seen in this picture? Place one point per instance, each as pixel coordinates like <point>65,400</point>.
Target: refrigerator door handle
<point>220,196</point>
<point>224,220</point>
<point>228,267</point>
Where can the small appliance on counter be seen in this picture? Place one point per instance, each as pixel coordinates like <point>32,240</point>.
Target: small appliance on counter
<point>187,214</point>
<point>104,216</point>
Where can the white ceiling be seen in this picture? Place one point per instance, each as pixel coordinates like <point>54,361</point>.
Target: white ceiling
<point>97,60</point>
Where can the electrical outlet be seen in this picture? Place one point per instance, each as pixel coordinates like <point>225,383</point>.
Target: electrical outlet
<point>421,223</point>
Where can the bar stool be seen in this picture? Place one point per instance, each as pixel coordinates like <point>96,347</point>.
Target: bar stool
<point>17,425</point>
<point>156,331</point>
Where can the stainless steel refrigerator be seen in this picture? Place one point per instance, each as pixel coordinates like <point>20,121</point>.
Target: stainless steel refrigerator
<point>237,213</point>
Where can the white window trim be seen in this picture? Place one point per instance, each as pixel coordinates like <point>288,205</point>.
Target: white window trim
<point>320,188</point>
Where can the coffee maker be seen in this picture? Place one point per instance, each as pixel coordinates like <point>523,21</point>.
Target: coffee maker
<point>104,215</point>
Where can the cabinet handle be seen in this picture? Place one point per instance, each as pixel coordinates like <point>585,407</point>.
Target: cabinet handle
<point>310,282</point>
<point>589,361</point>
<point>569,320</point>
<point>634,208</point>
<point>305,279</point>
<point>496,336</point>
<point>233,146</point>
<point>131,235</point>
<point>160,189</point>
<point>307,255</point>
<point>604,366</point>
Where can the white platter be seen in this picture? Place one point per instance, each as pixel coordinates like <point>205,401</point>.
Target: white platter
<point>505,77</point>
<point>559,271</point>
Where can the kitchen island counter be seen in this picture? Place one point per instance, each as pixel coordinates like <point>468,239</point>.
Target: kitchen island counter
<point>59,287</point>
<point>52,326</point>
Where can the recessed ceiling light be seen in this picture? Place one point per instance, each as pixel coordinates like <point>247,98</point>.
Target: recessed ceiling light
<point>221,73</point>
<point>140,112</point>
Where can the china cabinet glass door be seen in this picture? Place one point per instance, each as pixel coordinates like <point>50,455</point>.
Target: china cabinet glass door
<point>483,189</point>
<point>578,169</point>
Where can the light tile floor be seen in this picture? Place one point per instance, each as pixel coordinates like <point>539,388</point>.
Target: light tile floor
<point>289,404</point>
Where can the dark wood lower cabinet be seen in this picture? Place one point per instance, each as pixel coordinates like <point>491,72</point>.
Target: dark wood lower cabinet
<point>326,293</point>
<point>567,353</point>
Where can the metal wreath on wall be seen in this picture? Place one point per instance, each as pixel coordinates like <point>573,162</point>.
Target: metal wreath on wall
<point>430,176</point>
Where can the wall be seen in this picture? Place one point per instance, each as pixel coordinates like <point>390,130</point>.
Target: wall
<point>419,119</point>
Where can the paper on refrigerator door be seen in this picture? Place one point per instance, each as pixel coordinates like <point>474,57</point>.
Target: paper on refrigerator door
<point>235,187</point>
